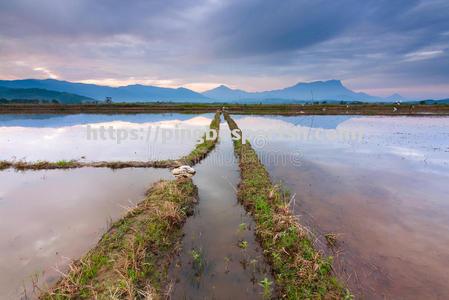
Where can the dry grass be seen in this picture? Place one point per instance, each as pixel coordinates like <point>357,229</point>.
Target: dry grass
<point>4,165</point>
<point>73,164</point>
<point>132,258</point>
<point>299,270</point>
<point>331,239</point>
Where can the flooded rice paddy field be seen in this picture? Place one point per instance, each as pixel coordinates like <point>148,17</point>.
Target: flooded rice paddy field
<point>384,193</point>
<point>49,218</point>
<point>378,183</point>
<point>79,137</point>
<point>220,258</point>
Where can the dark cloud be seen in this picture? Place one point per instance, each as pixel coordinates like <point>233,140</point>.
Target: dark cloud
<point>84,17</point>
<point>253,27</point>
<point>244,43</point>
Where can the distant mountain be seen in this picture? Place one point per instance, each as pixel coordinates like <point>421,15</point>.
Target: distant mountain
<point>431,101</point>
<point>42,94</point>
<point>331,91</point>
<point>311,91</point>
<point>222,92</point>
<point>443,101</point>
<point>396,97</point>
<point>130,93</point>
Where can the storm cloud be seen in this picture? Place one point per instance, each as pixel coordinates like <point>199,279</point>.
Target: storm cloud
<point>379,47</point>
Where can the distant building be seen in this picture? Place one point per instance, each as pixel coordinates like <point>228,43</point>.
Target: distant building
<point>108,100</point>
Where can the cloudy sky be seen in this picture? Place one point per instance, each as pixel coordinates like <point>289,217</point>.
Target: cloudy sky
<point>376,46</point>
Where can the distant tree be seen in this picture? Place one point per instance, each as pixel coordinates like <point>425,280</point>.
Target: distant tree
<point>24,101</point>
<point>422,102</point>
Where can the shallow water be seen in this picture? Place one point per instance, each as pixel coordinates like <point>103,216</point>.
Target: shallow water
<point>224,270</point>
<point>384,194</point>
<point>124,137</point>
<point>50,217</point>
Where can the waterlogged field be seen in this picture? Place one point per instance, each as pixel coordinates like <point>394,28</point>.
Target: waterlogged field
<point>220,257</point>
<point>49,218</point>
<point>376,184</point>
<point>88,137</point>
<point>372,189</point>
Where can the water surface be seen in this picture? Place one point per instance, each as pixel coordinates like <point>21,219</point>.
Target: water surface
<point>90,137</point>
<point>383,192</point>
<point>218,232</point>
<point>49,218</point>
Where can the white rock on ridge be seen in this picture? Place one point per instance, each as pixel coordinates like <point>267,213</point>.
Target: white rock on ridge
<point>183,171</point>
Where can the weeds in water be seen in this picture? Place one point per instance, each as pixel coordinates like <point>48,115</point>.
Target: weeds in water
<point>331,239</point>
<point>227,261</point>
<point>242,227</point>
<point>243,244</point>
<point>266,285</point>
<point>253,263</point>
<point>198,261</point>
<point>196,255</point>
<point>348,295</point>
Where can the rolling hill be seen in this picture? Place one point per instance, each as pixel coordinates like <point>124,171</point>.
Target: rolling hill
<point>42,94</point>
<point>130,93</point>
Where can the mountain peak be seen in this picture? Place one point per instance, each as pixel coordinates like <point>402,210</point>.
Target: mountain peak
<point>224,92</point>
<point>332,82</point>
<point>328,90</point>
<point>222,87</point>
<point>396,97</point>
<point>335,82</point>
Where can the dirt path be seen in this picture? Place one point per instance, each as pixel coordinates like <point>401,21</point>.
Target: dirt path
<point>220,256</point>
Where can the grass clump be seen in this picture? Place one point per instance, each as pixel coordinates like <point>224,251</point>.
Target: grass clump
<point>201,150</point>
<point>198,263</point>
<point>4,165</point>
<point>266,285</point>
<point>66,164</point>
<point>242,227</point>
<point>243,244</point>
<point>131,259</point>
<point>299,270</point>
<point>331,239</point>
